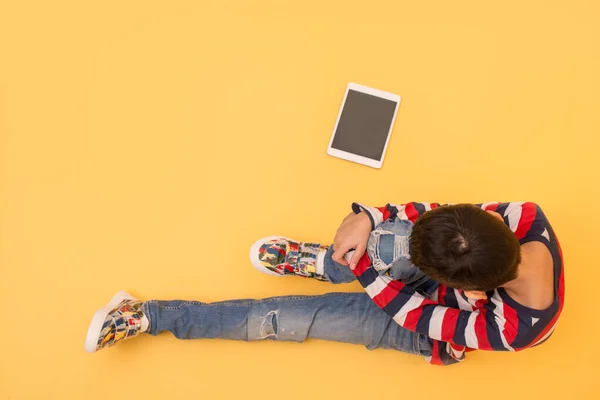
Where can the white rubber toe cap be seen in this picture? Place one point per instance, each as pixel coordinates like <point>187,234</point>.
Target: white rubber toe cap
<point>95,328</point>
<point>254,254</point>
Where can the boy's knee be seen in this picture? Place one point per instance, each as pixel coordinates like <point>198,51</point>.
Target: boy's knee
<point>386,247</point>
<point>388,250</point>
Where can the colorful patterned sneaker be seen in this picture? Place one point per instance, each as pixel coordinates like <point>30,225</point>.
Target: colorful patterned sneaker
<point>280,256</point>
<point>121,319</point>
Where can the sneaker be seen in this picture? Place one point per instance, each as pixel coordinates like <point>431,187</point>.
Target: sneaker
<point>279,256</point>
<point>121,319</point>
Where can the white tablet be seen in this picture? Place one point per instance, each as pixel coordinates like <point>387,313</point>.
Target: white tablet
<point>364,124</point>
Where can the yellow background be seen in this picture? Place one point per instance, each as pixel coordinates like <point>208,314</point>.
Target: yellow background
<point>145,145</point>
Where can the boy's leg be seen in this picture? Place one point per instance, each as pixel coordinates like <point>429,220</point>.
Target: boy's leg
<point>387,248</point>
<point>341,317</point>
<point>272,256</point>
<point>280,256</point>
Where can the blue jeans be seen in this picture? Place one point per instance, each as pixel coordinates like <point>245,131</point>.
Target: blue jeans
<point>340,317</point>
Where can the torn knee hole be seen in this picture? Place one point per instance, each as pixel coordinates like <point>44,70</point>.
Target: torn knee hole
<point>268,327</point>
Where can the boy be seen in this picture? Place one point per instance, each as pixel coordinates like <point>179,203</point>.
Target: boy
<point>438,281</point>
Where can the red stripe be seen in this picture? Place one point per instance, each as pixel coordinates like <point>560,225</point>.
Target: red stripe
<point>528,212</point>
<point>442,294</point>
<point>384,210</point>
<point>492,207</point>
<point>449,324</point>
<point>363,264</point>
<point>481,331</point>
<point>457,348</point>
<point>561,280</point>
<point>396,285</point>
<point>435,354</point>
<point>388,293</point>
<point>411,212</point>
<point>479,304</point>
<point>511,326</point>
<point>434,205</point>
<point>412,318</point>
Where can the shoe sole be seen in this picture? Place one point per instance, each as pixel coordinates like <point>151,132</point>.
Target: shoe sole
<point>254,255</point>
<point>91,340</point>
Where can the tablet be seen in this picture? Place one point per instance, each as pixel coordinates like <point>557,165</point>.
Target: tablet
<point>364,124</point>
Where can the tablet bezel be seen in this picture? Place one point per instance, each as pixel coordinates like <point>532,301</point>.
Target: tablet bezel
<point>355,157</point>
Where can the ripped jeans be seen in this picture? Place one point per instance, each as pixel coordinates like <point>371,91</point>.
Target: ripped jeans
<point>340,317</point>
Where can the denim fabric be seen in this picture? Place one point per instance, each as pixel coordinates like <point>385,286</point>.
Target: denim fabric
<point>341,317</point>
<point>388,250</point>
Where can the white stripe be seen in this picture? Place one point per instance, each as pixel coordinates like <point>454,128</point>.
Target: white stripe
<point>472,302</point>
<point>427,206</point>
<point>373,212</point>
<point>462,303</point>
<point>320,265</point>
<point>470,336</point>
<point>546,235</point>
<point>435,294</point>
<point>534,320</point>
<point>435,323</point>
<point>513,211</point>
<point>413,303</point>
<point>500,320</point>
<point>484,205</point>
<point>376,287</point>
<point>455,353</point>
<point>401,211</point>
<point>546,336</point>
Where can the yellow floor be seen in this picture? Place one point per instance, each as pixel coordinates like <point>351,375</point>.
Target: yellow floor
<point>145,145</point>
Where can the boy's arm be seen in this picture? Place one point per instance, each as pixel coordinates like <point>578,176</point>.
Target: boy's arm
<point>481,329</point>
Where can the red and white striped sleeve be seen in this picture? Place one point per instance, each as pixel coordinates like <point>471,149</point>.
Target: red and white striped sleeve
<point>486,329</point>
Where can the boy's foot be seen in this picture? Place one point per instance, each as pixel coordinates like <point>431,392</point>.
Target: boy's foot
<point>121,319</point>
<point>280,256</point>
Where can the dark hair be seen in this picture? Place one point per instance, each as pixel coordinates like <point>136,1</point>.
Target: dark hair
<point>465,247</point>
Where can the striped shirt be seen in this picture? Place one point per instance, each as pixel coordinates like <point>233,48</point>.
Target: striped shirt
<point>454,322</point>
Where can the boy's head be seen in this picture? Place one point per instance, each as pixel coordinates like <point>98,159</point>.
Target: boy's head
<point>466,248</point>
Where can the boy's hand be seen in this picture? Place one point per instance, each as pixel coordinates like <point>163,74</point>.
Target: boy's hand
<point>352,234</point>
